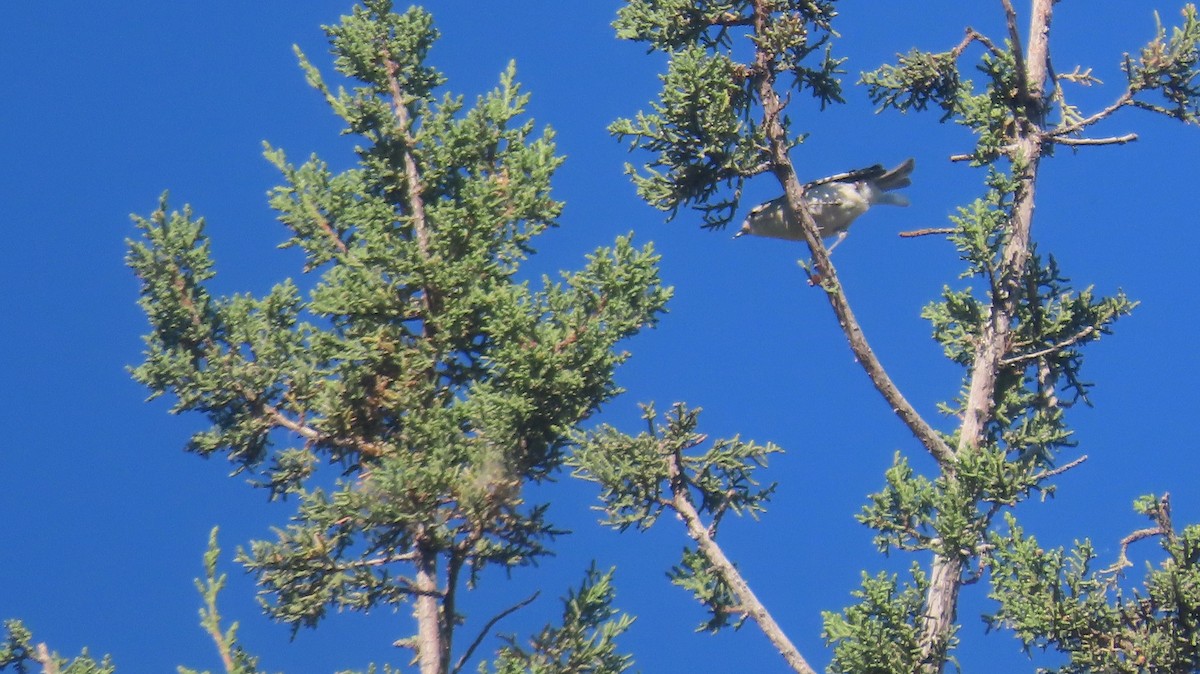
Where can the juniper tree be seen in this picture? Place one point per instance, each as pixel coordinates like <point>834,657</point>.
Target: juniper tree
<point>1017,328</point>
<point>406,399</point>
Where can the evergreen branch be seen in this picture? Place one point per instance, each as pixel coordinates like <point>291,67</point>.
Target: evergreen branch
<point>212,625</point>
<point>208,348</point>
<point>750,605</point>
<point>466,656</point>
<point>324,225</point>
<point>412,175</point>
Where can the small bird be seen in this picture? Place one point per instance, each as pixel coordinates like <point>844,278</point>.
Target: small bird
<point>833,202</point>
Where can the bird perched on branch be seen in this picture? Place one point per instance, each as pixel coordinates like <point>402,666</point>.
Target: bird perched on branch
<point>834,202</point>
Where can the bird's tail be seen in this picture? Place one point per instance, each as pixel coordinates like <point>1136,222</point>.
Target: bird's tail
<point>896,178</point>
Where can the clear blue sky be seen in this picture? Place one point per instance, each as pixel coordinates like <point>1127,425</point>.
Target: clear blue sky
<point>105,517</point>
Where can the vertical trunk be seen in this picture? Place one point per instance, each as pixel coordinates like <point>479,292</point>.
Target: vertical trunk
<point>432,651</point>
<point>940,611</point>
<point>946,576</point>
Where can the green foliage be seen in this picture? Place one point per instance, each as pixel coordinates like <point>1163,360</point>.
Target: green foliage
<point>1169,67</point>
<point>1002,109</point>
<point>703,130</point>
<point>585,643</point>
<point>695,573</point>
<point>700,132</point>
<point>902,513</point>
<point>919,78</point>
<point>234,657</point>
<point>879,633</point>
<point>19,653</point>
<point>1055,599</point>
<point>431,381</point>
<point>1051,321</point>
<point>641,476</point>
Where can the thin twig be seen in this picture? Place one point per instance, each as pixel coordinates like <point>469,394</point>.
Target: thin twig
<point>975,36</point>
<point>1125,99</point>
<point>971,156</point>
<point>1053,348</point>
<point>379,561</point>
<point>487,627</point>
<point>1123,553</point>
<point>1060,470</point>
<point>927,231</point>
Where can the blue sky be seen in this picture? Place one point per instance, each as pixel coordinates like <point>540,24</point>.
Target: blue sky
<point>106,518</point>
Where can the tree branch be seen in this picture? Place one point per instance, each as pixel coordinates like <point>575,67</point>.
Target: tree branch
<point>483,632</point>
<point>43,657</point>
<point>1060,470</point>
<point>786,174</point>
<point>1014,36</point>
<point>413,185</point>
<point>1014,360</point>
<point>1111,140</point>
<point>927,231</point>
<point>1125,99</point>
<point>749,604</point>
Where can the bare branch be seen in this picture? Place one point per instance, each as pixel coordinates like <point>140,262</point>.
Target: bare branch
<point>1111,140</point>
<point>1123,553</point>
<point>1014,36</point>
<point>1125,99</point>
<point>379,561</point>
<point>466,656</point>
<point>1053,348</point>
<point>1060,470</point>
<point>927,232</point>
<point>975,36</point>
<point>1007,149</point>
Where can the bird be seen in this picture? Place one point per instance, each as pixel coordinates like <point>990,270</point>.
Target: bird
<point>834,203</point>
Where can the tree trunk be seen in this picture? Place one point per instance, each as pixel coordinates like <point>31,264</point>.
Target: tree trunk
<point>431,646</point>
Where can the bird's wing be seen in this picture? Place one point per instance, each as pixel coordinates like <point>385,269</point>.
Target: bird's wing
<point>869,173</point>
